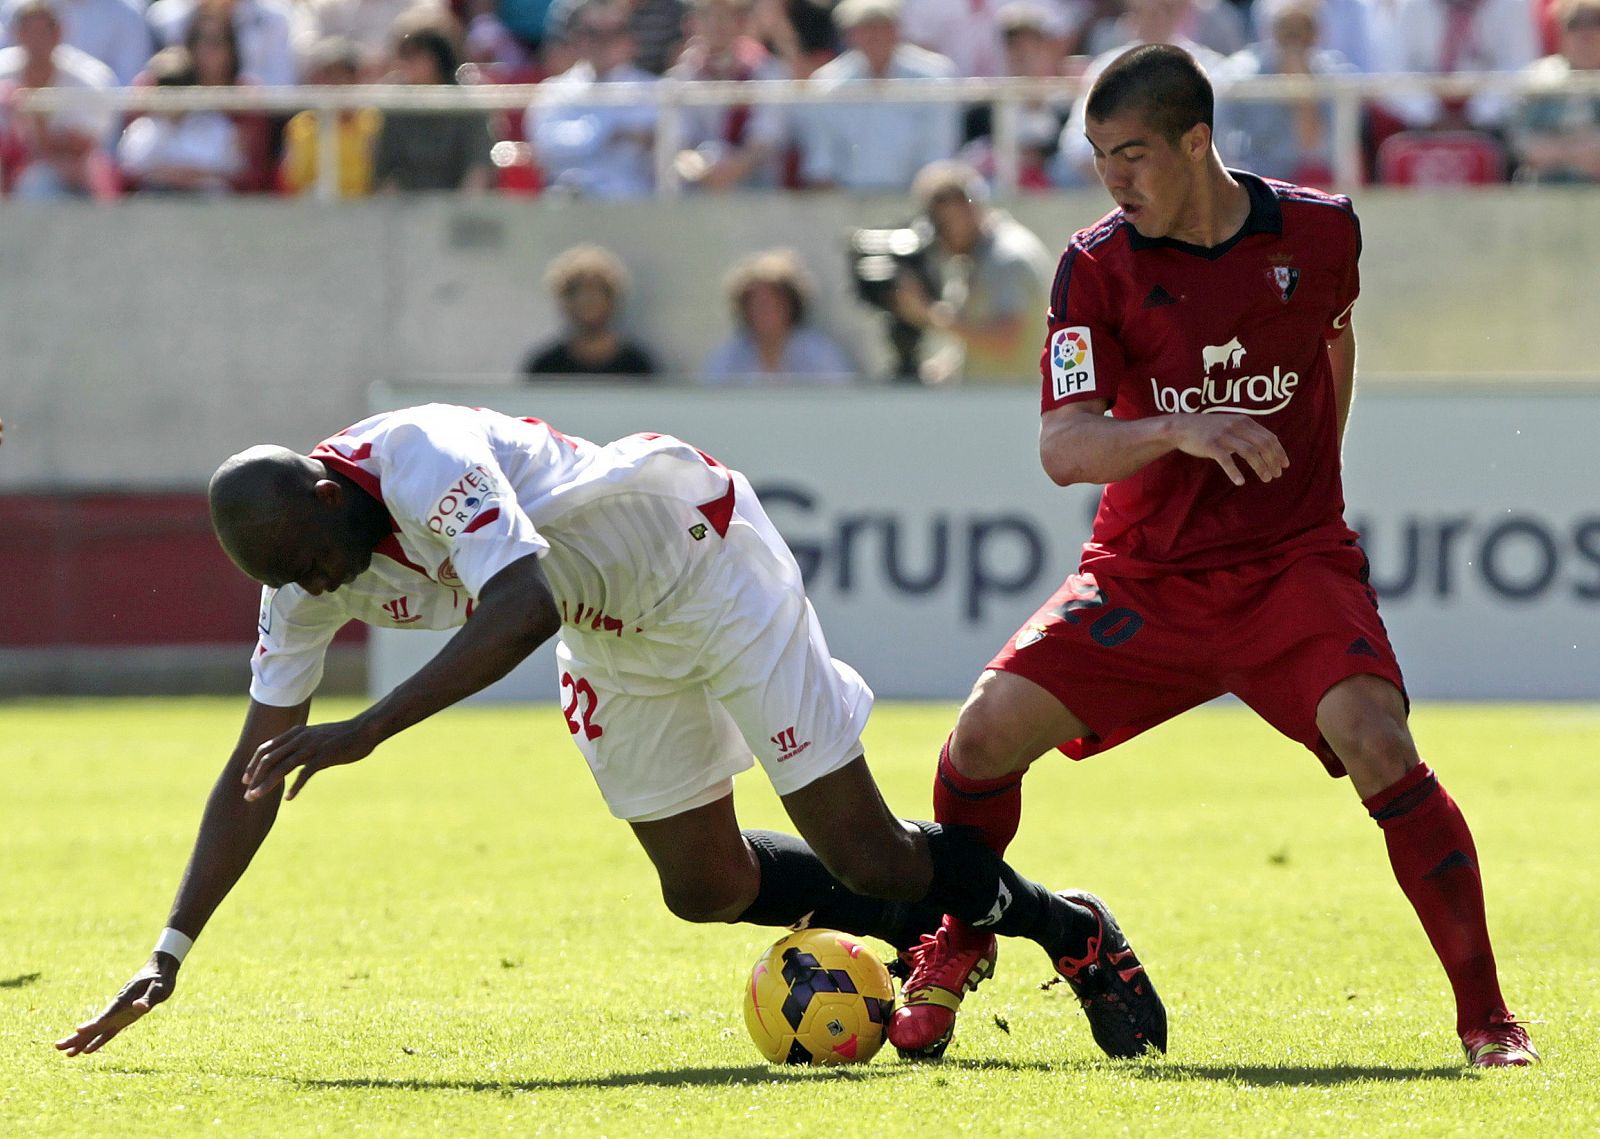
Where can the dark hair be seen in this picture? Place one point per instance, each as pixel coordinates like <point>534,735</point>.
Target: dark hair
<point>214,18</point>
<point>433,42</point>
<point>1159,81</point>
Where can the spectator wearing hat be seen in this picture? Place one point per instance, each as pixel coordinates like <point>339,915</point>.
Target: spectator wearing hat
<point>876,145</point>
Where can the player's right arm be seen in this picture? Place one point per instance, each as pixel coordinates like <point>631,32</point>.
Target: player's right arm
<point>1079,443</point>
<point>1083,367</point>
<point>231,831</point>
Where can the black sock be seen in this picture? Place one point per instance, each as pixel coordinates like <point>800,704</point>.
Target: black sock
<point>973,883</point>
<point>796,887</point>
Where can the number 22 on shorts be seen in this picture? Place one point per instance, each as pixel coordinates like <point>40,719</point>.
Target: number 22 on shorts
<point>581,690</point>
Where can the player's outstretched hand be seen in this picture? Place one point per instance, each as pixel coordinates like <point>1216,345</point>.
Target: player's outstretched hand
<point>1220,437</point>
<point>150,986</point>
<point>310,749</point>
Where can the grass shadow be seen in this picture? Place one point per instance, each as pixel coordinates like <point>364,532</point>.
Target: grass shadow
<point>1255,1075</point>
<point>668,1078</point>
<point>1299,1076</point>
<point>676,1077</point>
<point>20,981</point>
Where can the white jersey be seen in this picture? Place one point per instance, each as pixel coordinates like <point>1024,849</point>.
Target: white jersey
<point>470,491</point>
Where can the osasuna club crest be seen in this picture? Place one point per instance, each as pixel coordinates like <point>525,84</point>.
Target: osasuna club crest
<point>1284,278</point>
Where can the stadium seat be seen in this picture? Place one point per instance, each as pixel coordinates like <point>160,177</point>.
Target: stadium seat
<point>1441,158</point>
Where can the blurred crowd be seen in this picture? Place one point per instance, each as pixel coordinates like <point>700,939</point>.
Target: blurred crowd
<point>958,291</point>
<point>572,145</point>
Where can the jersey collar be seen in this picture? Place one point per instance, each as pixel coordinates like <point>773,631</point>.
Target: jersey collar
<point>1265,216</point>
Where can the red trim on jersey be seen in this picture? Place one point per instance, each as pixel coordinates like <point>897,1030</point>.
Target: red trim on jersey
<point>391,549</point>
<point>346,465</point>
<point>719,512</point>
<point>547,427</point>
<point>482,520</point>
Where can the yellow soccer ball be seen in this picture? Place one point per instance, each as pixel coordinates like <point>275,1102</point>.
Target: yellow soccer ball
<point>818,997</point>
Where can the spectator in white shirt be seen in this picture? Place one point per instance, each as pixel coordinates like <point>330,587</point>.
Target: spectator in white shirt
<point>113,31</point>
<point>188,152</point>
<point>736,145</point>
<point>1344,26</point>
<point>60,154</point>
<point>877,145</point>
<point>594,150</point>
<point>1443,37</point>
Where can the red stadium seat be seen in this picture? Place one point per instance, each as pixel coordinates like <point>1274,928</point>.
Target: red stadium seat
<point>1441,158</point>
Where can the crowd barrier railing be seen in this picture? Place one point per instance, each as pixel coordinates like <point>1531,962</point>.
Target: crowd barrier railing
<point>1346,94</point>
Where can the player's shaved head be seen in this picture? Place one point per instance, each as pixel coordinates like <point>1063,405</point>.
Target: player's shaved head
<point>1161,83</point>
<point>259,499</point>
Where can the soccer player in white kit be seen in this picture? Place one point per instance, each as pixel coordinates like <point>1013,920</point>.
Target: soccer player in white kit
<point>687,646</point>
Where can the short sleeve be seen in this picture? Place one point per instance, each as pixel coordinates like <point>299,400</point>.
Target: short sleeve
<point>450,488</point>
<point>293,633</point>
<point>1349,281</point>
<point>1082,359</point>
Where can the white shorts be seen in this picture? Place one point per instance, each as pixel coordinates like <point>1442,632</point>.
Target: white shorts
<point>757,683</point>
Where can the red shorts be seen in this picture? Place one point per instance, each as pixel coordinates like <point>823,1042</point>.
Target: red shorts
<point>1124,654</point>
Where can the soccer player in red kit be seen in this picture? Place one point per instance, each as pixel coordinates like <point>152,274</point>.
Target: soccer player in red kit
<point>1210,314</point>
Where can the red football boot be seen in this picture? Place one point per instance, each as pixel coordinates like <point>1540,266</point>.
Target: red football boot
<point>945,966</point>
<point>1502,1043</point>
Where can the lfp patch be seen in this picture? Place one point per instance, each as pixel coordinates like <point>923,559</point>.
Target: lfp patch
<point>1071,362</point>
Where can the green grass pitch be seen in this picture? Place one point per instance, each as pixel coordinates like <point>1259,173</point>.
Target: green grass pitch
<point>454,938</point>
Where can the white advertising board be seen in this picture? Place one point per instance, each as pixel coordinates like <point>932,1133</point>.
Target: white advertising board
<point>928,531</point>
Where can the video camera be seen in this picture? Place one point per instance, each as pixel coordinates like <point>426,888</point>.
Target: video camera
<point>877,259</point>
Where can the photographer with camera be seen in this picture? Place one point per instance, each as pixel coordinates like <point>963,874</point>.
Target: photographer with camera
<point>974,293</point>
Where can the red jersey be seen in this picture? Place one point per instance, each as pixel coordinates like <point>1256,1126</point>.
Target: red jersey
<point>1157,326</point>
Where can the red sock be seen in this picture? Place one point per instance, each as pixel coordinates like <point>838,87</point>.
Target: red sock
<point>992,807</point>
<point>1436,865</point>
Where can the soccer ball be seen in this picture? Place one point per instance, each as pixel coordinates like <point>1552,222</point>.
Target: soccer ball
<point>818,997</point>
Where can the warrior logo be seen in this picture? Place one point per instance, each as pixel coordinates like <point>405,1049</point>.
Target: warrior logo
<point>399,611</point>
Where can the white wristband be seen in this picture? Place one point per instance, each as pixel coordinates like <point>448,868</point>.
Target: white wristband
<point>174,942</point>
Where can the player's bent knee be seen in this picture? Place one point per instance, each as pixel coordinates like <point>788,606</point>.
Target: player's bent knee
<point>702,901</point>
<point>1375,748</point>
<point>981,746</point>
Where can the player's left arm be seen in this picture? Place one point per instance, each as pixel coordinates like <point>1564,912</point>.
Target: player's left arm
<point>516,613</point>
<point>1342,355</point>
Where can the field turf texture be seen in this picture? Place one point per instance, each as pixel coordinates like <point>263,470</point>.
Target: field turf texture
<point>454,938</point>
